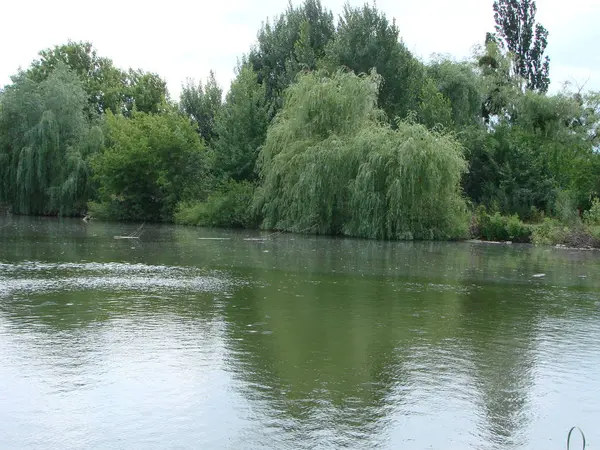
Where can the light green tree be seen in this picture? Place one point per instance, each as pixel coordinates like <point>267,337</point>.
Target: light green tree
<point>331,165</point>
<point>45,140</point>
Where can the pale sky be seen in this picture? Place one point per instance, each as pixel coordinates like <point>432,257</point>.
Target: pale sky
<point>185,38</point>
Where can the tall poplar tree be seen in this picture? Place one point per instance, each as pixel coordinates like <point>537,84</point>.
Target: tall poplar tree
<point>518,32</point>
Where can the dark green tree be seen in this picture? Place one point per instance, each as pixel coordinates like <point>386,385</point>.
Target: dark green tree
<point>364,40</point>
<point>542,146</point>
<point>518,32</point>
<point>150,163</point>
<point>241,127</point>
<point>202,104</point>
<point>295,41</point>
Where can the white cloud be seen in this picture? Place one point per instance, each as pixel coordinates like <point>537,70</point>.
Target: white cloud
<point>184,38</point>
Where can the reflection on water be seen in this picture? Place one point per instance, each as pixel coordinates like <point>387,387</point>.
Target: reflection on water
<point>180,339</point>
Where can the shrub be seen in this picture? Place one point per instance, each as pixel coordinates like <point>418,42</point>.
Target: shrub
<point>151,162</point>
<point>549,232</point>
<point>517,230</point>
<point>592,215</point>
<point>496,227</point>
<point>229,206</point>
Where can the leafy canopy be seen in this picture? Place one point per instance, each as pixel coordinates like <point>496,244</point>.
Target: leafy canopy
<point>330,165</point>
<point>518,32</point>
<point>202,103</point>
<point>45,140</point>
<point>150,163</point>
<point>241,126</point>
<point>364,40</point>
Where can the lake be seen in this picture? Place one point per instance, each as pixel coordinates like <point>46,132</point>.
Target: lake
<point>196,338</point>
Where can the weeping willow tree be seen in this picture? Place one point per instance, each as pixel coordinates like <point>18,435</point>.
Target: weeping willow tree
<point>45,139</point>
<point>331,165</point>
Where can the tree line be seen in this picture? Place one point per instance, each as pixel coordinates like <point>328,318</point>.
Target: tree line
<point>331,126</point>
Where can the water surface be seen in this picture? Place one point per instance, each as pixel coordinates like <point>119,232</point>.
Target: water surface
<point>194,338</point>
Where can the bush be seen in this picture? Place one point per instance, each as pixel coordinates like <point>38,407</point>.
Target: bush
<point>549,232</point>
<point>497,227</point>
<point>592,216</point>
<point>151,162</point>
<point>553,232</point>
<point>230,206</point>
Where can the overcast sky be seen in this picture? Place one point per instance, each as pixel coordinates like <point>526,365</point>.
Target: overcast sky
<point>185,38</point>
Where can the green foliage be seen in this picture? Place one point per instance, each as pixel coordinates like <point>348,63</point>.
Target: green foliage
<point>202,104</point>
<point>230,205</point>
<point>364,40</point>
<point>595,232</point>
<point>496,227</point>
<point>517,30</point>
<point>344,156</point>
<point>45,139</point>
<point>145,92</point>
<point>550,232</point>
<point>565,208</point>
<point>150,163</point>
<point>459,83</point>
<point>499,86</point>
<point>103,83</point>
<point>435,108</point>
<point>295,41</point>
<point>330,166</point>
<point>508,170</point>
<point>537,149</point>
<point>592,215</point>
<point>241,126</point>
<point>107,87</point>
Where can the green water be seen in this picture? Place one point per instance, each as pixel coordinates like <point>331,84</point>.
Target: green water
<point>182,340</point>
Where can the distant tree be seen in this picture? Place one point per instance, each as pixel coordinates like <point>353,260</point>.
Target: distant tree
<point>145,92</point>
<point>435,108</point>
<point>103,83</point>
<point>107,88</point>
<point>460,83</point>
<point>517,31</point>
<point>202,104</point>
<point>500,87</point>
<point>366,39</point>
<point>294,41</point>
<point>241,127</point>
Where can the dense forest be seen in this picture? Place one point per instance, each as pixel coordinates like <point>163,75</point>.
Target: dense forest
<point>330,126</point>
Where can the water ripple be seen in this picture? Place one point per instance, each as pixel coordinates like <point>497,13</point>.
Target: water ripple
<point>33,277</point>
